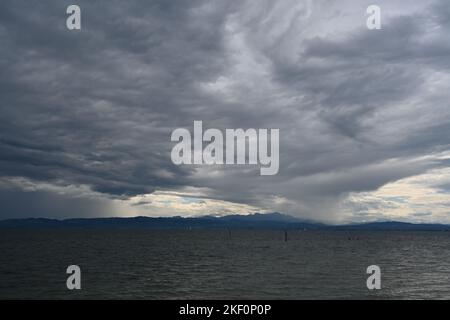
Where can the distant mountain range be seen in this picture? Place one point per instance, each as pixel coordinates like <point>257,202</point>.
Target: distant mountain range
<point>254,221</point>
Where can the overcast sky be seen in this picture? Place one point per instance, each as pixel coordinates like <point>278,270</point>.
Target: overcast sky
<point>364,115</point>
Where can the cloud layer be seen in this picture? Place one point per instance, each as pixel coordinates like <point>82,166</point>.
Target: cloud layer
<point>364,115</point>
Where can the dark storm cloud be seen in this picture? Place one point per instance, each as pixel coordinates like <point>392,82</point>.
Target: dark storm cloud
<point>96,107</point>
<point>18,204</point>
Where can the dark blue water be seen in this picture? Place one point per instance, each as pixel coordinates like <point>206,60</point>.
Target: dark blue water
<point>200,264</point>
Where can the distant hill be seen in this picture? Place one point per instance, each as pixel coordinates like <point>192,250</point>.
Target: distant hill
<point>274,220</point>
<point>254,221</point>
<point>278,217</point>
<point>395,225</point>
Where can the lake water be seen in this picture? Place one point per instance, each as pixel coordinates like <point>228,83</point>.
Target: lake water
<point>211,264</point>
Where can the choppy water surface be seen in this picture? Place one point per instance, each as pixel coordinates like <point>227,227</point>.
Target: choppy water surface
<point>209,264</point>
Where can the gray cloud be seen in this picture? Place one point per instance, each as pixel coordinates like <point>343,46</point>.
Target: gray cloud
<point>356,108</point>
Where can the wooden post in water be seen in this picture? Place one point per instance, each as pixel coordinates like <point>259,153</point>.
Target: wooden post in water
<point>285,236</point>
